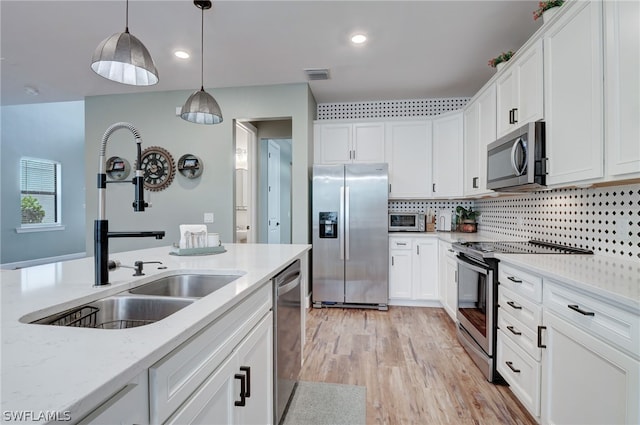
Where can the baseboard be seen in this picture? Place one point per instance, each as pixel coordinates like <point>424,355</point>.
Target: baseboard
<point>39,261</point>
<point>414,303</point>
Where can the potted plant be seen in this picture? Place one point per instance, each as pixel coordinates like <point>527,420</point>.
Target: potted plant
<point>503,57</point>
<point>544,6</point>
<point>467,219</point>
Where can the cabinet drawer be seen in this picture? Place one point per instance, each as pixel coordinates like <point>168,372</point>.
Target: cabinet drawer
<point>173,379</point>
<point>127,406</point>
<point>521,335</point>
<point>521,282</point>
<point>400,243</point>
<point>522,309</point>
<point>520,371</point>
<point>596,316</point>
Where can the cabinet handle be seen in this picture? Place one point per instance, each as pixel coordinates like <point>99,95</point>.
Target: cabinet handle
<point>475,182</point>
<point>514,305</point>
<point>513,331</point>
<point>433,187</point>
<point>389,187</point>
<point>577,308</point>
<point>401,243</point>
<point>354,154</point>
<point>392,262</point>
<point>540,329</point>
<point>243,399</point>
<point>418,249</point>
<point>510,116</point>
<point>248,370</point>
<point>514,280</point>
<point>455,276</point>
<point>515,115</point>
<point>510,364</point>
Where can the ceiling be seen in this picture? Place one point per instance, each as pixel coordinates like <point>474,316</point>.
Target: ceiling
<point>415,49</point>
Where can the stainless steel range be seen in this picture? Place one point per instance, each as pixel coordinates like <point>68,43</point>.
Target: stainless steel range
<point>477,311</point>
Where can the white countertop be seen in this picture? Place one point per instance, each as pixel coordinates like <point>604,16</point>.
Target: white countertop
<point>53,368</point>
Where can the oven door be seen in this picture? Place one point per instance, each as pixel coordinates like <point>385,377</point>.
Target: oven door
<point>475,301</point>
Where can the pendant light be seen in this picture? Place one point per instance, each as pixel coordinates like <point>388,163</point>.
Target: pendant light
<point>124,59</point>
<point>201,107</point>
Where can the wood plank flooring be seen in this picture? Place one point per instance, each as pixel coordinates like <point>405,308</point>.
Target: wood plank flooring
<point>411,363</point>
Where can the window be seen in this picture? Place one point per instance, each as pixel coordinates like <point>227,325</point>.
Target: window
<point>39,192</point>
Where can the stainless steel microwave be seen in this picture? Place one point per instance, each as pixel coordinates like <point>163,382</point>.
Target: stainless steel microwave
<point>406,221</point>
<point>517,161</point>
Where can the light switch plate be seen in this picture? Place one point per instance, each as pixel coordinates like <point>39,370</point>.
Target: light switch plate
<point>208,217</point>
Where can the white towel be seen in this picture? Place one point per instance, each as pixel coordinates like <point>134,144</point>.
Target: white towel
<point>193,235</point>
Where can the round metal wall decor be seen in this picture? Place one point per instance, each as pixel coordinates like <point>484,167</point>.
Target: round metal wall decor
<point>158,167</point>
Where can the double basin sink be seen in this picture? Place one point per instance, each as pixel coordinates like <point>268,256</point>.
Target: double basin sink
<point>142,305</point>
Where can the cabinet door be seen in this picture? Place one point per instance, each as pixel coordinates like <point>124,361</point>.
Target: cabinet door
<point>573,94</point>
<point>400,276</point>
<point>368,143</point>
<point>127,406</point>
<point>505,91</point>
<point>471,148</point>
<point>213,403</point>
<point>255,360</point>
<point>530,89</point>
<point>408,152</point>
<point>333,144</point>
<point>622,88</point>
<point>447,155</point>
<point>451,293</point>
<point>425,269</point>
<point>584,380</point>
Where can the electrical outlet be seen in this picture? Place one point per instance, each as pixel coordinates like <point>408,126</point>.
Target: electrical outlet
<point>208,217</point>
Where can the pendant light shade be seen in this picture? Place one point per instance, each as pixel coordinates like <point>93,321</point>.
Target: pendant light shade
<point>201,107</point>
<point>124,59</point>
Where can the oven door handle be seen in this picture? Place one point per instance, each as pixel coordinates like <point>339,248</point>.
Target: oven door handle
<point>477,268</point>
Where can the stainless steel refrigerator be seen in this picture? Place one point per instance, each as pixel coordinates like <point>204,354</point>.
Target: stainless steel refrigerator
<point>350,235</point>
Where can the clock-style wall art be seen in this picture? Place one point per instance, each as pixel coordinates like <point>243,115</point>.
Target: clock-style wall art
<point>158,167</point>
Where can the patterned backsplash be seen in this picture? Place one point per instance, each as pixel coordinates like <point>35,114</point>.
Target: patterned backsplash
<point>605,220</point>
<point>389,108</point>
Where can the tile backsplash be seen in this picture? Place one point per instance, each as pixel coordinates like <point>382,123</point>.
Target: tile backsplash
<point>605,220</point>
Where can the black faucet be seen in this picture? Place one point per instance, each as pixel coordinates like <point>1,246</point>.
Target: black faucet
<point>101,225</point>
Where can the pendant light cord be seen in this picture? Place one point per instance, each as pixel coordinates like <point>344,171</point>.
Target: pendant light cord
<point>201,51</point>
<point>126,25</point>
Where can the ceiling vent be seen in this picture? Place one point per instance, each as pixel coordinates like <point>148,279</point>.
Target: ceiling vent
<point>314,74</point>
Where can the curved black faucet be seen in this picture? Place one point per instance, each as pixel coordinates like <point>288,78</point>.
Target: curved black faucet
<point>101,225</point>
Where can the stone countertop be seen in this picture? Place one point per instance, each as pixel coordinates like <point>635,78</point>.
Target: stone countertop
<point>62,369</point>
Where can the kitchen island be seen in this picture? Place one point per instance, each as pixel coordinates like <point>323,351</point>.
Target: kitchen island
<point>64,373</point>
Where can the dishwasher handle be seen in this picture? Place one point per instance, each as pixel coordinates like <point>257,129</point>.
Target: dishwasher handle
<point>284,287</point>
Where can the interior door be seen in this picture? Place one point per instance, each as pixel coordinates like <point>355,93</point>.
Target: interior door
<point>273,196</point>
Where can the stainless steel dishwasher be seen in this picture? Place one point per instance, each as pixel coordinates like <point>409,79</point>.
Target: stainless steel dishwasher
<point>287,337</point>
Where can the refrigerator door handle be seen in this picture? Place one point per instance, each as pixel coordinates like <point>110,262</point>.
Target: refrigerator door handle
<point>347,226</point>
<point>341,227</point>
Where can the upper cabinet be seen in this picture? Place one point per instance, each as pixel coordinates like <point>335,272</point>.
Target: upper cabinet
<point>479,131</point>
<point>408,152</point>
<point>622,88</point>
<point>573,87</point>
<point>340,143</point>
<point>447,155</point>
<point>520,90</point>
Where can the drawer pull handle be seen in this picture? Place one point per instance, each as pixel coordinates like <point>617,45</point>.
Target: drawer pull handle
<point>248,370</point>
<point>513,331</point>
<point>514,305</point>
<point>540,329</point>
<point>401,243</point>
<point>577,308</point>
<point>514,280</point>
<point>243,398</point>
<point>510,364</point>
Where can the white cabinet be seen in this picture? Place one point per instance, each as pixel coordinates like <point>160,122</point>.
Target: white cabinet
<point>130,405</point>
<point>447,155</point>
<point>340,143</point>
<point>413,271</point>
<point>408,152</point>
<point>520,90</point>
<point>479,131</point>
<point>573,85</point>
<point>240,390</point>
<point>622,88</point>
<point>200,381</point>
<point>585,380</point>
<point>448,278</point>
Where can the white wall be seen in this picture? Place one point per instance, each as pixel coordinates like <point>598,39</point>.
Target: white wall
<point>185,201</point>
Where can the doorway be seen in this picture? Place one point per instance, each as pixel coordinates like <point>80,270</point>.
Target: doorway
<point>245,199</point>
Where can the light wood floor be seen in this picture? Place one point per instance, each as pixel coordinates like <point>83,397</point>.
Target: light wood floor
<point>411,363</point>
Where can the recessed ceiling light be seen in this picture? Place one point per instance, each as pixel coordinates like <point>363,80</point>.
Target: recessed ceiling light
<point>181,54</point>
<point>358,39</point>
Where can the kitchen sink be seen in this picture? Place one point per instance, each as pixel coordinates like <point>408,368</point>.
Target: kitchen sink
<point>186,285</point>
<point>118,312</point>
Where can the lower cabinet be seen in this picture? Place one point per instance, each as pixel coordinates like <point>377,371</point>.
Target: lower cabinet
<point>127,406</point>
<point>240,390</point>
<point>413,271</point>
<point>448,278</point>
